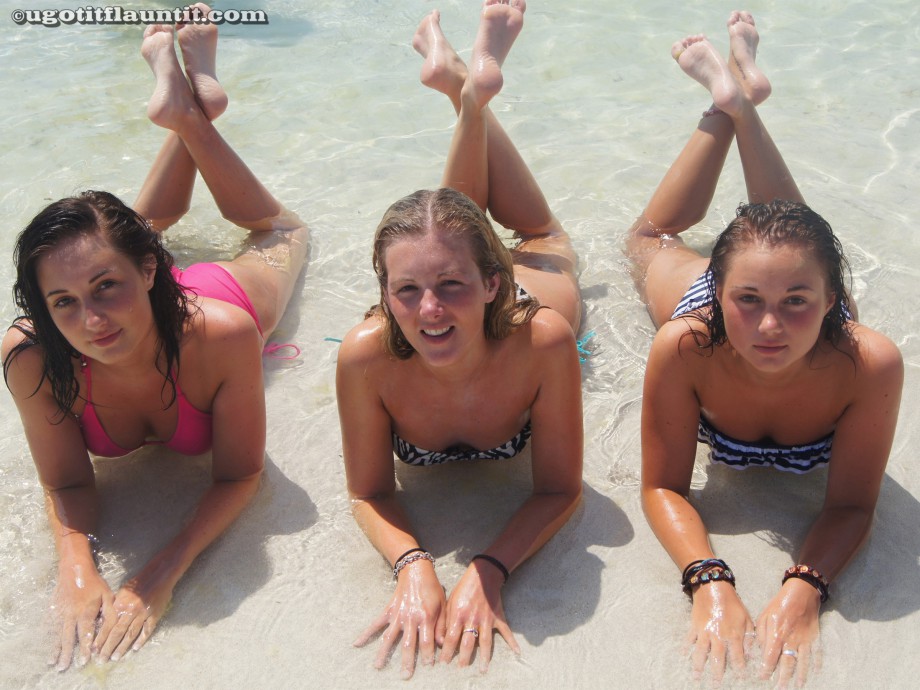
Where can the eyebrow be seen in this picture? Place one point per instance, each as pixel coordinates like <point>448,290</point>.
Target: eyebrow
<point>92,280</point>
<point>794,288</point>
<point>441,274</point>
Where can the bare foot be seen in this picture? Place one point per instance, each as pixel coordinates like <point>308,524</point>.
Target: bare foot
<point>198,43</point>
<point>172,99</point>
<point>500,24</point>
<point>443,70</point>
<point>744,39</point>
<point>700,60</point>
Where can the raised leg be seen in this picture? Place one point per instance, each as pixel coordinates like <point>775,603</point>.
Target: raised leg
<point>484,163</point>
<point>765,173</point>
<point>276,248</point>
<point>664,266</point>
<point>167,192</point>
<point>514,197</point>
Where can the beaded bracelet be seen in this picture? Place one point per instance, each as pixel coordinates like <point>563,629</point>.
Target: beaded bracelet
<point>411,556</point>
<point>705,571</point>
<point>811,576</point>
<point>494,561</point>
<point>695,567</point>
<point>714,574</point>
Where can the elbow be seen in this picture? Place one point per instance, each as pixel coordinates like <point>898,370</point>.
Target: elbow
<point>358,497</point>
<point>657,498</point>
<point>567,499</point>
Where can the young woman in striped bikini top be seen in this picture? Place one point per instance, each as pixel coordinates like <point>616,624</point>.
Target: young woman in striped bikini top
<point>757,355</point>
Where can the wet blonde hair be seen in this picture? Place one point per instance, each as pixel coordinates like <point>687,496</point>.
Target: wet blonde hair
<point>448,211</point>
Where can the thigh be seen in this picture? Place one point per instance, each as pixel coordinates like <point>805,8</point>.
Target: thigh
<point>545,267</point>
<point>268,269</point>
<point>663,268</point>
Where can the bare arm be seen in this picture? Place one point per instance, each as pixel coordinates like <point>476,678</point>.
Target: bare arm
<point>238,456</point>
<point>862,442</point>
<point>670,416</point>
<point>557,450</point>
<point>416,611</point>
<point>66,475</point>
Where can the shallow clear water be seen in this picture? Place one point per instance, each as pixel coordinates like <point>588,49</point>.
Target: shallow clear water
<point>327,109</point>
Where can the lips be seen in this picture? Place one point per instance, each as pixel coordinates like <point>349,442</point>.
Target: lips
<point>106,340</point>
<point>436,332</point>
<point>769,349</point>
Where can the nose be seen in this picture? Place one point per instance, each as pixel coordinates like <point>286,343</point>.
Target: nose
<point>93,318</point>
<point>430,304</point>
<point>769,323</point>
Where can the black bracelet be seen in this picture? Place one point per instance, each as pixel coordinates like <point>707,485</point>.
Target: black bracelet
<point>494,561</point>
<point>811,576</point>
<point>684,575</point>
<point>415,550</point>
<point>696,567</point>
<point>705,571</point>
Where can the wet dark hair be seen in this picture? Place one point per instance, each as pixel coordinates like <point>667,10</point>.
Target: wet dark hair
<point>451,212</point>
<point>89,213</point>
<point>777,224</point>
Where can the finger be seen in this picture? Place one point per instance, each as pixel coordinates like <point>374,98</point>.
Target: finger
<point>409,643</point>
<point>451,640</point>
<point>65,644</point>
<point>736,654</point>
<point>698,656</point>
<point>467,645</point>
<point>387,642</point>
<point>86,628</point>
<point>372,630</point>
<point>771,646</point>
<point>131,634</point>
<point>802,664</point>
<point>104,625</point>
<point>426,644</point>
<point>817,657</point>
<point>117,634</point>
<point>440,630</point>
<point>717,658</point>
<point>147,631</point>
<point>750,639</point>
<point>485,649</point>
<point>505,631</point>
<point>785,669</point>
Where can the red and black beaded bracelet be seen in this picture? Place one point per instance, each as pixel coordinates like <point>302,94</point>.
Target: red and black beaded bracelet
<point>811,576</point>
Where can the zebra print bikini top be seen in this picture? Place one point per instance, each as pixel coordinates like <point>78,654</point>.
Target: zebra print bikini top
<point>413,455</point>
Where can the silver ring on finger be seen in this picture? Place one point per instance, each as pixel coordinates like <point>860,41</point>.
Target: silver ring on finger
<point>474,631</point>
<point>790,652</point>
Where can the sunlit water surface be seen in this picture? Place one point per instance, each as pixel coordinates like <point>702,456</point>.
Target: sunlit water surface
<point>327,109</point>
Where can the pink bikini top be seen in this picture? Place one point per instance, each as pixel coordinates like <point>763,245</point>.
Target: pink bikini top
<point>191,437</point>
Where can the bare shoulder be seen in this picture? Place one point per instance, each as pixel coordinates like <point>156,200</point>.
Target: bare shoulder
<point>22,363</point>
<point>876,354</point>
<point>217,325</point>
<point>681,337</point>
<point>12,339</point>
<point>363,345</point>
<point>549,330</point>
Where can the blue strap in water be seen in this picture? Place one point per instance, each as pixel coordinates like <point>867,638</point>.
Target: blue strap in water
<point>582,350</point>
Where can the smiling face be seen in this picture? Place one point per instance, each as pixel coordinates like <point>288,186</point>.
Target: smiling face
<point>774,300</point>
<point>97,297</point>
<point>437,295</point>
